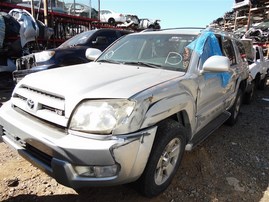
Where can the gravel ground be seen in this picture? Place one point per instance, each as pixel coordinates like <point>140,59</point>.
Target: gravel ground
<point>232,165</point>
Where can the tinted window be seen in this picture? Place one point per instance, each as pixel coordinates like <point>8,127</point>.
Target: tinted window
<point>242,50</point>
<point>79,39</point>
<point>228,50</point>
<point>110,35</point>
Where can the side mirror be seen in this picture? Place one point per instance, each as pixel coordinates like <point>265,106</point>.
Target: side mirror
<point>216,63</point>
<point>100,40</point>
<point>92,53</point>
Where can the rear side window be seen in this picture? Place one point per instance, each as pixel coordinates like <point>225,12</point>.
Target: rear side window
<point>242,50</point>
<point>110,35</point>
<point>228,50</point>
<point>122,33</point>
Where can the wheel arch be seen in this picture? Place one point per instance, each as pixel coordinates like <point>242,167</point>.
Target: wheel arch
<point>180,107</point>
<point>183,119</point>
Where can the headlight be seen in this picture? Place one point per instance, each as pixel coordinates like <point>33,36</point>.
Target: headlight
<point>43,56</point>
<point>101,116</point>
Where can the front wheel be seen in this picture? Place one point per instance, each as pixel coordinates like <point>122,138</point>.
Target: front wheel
<point>235,109</point>
<point>165,158</point>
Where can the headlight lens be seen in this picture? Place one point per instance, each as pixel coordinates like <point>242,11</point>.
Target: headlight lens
<point>44,56</point>
<point>101,116</point>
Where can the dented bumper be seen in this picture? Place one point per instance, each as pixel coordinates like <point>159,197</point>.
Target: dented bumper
<point>76,160</point>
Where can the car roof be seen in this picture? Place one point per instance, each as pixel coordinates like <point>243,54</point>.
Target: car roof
<point>185,31</point>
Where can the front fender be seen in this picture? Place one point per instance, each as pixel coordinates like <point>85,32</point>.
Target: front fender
<point>169,106</point>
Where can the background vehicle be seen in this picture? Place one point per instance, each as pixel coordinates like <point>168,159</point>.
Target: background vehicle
<point>81,10</point>
<point>111,17</point>
<point>129,115</point>
<point>70,52</point>
<point>38,4</point>
<point>18,33</point>
<point>132,19</point>
<point>258,67</point>
<point>140,24</point>
<point>146,23</point>
<point>258,64</point>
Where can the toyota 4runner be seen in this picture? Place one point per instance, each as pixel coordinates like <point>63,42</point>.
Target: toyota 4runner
<point>128,116</point>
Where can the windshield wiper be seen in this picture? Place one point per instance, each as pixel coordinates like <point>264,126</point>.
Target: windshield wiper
<point>109,61</point>
<point>146,64</point>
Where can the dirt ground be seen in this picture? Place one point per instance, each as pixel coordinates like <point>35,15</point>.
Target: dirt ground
<point>232,165</point>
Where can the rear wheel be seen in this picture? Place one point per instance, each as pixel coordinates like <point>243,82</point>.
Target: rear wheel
<point>235,109</point>
<point>111,21</point>
<point>249,96</point>
<point>165,158</point>
<point>262,83</point>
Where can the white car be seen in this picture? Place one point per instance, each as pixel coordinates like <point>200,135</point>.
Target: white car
<point>81,10</point>
<point>111,17</point>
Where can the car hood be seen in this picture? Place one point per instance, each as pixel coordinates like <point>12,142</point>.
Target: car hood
<point>97,80</point>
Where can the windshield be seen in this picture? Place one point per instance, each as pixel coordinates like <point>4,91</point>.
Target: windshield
<point>165,51</point>
<point>79,39</point>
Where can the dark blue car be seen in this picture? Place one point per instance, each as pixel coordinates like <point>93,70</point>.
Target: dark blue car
<point>71,52</point>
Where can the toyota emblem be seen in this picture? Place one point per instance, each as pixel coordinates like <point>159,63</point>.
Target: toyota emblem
<point>30,103</point>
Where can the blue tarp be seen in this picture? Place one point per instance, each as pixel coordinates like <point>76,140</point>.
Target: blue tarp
<point>207,38</point>
<point>223,76</point>
<point>206,46</point>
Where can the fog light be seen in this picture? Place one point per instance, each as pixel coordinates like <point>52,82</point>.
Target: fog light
<point>96,171</point>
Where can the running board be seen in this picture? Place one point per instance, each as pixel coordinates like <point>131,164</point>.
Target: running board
<point>207,130</point>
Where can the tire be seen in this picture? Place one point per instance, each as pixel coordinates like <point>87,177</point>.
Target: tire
<point>162,163</point>
<point>262,83</point>
<point>249,96</point>
<point>6,81</point>
<point>111,21</point>
<point>235,109</point>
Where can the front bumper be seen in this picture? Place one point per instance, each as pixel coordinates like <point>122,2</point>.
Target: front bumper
<point>57,151</point>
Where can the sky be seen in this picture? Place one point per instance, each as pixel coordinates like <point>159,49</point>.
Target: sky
<point>172,13</point>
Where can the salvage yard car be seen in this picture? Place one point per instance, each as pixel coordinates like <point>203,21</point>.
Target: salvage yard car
<point>129,115</point>
<point>258,64</point>
<point>70,52</point>
<point>111,17</point>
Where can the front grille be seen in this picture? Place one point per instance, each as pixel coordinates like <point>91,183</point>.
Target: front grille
<point>41,104</point>
<point>26,62</point>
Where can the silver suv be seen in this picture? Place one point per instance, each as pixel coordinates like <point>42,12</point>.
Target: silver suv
<point>128,116</point>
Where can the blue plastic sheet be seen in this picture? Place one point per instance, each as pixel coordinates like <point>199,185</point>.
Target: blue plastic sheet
<point>206,46</point>
<point>223,76</point>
